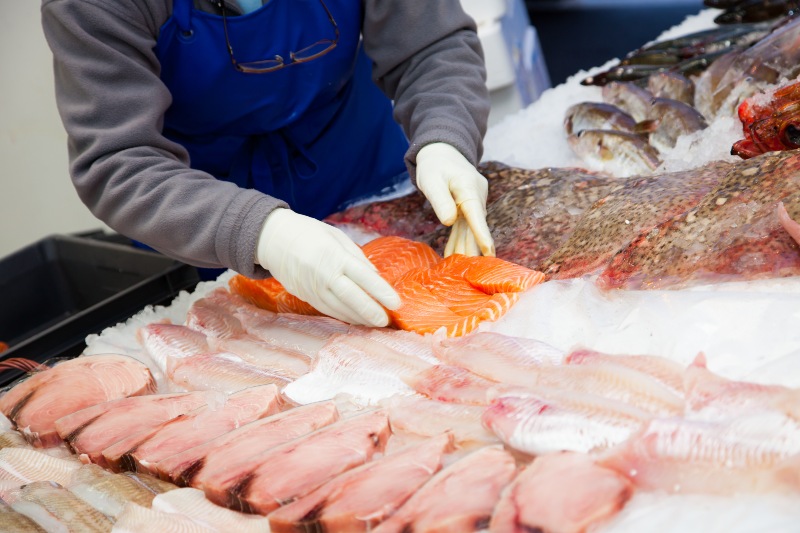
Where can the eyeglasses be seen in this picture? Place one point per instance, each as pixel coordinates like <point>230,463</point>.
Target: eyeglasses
<point>304,55</point>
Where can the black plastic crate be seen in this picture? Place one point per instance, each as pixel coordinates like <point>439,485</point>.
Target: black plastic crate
<point>55,292</point>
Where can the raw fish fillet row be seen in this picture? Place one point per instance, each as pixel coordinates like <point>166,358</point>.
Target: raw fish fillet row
<point>743,454</point>
<point>544,421</point>
<point>224,372</point>
<point>141,451</point>
<point>292,470</point>
<point>262,354</point>
<point>460,498</point>
<point>35,404</point>
<point>565,492</point>
<point>362,497</point>
<point>234,449</point>
<point>89,431</point>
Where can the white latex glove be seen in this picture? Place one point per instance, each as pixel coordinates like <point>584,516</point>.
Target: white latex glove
<point>457,192</point>
<point>321,265</point>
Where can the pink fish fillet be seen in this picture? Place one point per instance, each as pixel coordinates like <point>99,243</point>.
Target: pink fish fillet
<point>696,456</point>
<point>717,396</point>
<point>143,450</point>
<point>301,334</point>
<point>362,497</point>
<point>212,319</point>
<point>89,431</point>
<point>565,492</point>
<point>224,372</point>
<point>161,341</point>
<point>262,354</point>
<point>35,404</point>
<point>459,498</point>
<point>236,447</point>
<point>420,416</point>
<point>294,469</point>
<point>452,384</point>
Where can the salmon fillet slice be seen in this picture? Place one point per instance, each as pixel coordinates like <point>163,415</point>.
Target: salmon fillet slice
<point>269,294</point>
<point>394,256</point>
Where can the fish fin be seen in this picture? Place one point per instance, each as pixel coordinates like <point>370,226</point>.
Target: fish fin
<point>646,127</point>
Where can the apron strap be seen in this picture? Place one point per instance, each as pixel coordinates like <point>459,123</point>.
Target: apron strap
<point>182,12</point>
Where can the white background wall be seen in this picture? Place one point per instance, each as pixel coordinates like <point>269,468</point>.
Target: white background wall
<point>36,195</point>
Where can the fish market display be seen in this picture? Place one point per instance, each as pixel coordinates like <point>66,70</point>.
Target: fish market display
<point>36,403</point>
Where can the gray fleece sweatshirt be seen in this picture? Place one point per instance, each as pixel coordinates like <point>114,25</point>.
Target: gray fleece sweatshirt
<point>426,57</point>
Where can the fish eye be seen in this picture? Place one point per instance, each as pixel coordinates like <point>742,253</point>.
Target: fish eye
<point>792,134</point>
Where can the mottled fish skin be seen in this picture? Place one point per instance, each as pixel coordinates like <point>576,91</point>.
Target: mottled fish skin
<point>618,153</point>
<point>671,85</point>
<point>733,233</point>
<point>596,116</point>
<point>637,206</point>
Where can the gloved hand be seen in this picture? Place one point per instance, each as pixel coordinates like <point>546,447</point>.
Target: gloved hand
<point>457,192</point>
<point>320,265</point>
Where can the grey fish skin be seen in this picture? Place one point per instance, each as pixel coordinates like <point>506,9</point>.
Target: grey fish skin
<point>672,119</point>
<point>629,97</point>
<point>622,154</point>
<point>671,85</point>
<point>13,522</point>
<point>597,116</point>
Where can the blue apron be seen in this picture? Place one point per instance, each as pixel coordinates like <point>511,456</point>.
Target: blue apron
<point>316,135</point>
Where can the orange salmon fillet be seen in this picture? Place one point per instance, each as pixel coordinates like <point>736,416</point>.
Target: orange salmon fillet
<point>456,293</point>
<point>394,256</point>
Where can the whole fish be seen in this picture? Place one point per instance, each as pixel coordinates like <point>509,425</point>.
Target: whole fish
<point>756,11</point>
<point>734,232</point>
<point>671,85</point>
<point>668,119</point>
<point>622,154</point>
<point>630,98</point>
<point>596,116</point>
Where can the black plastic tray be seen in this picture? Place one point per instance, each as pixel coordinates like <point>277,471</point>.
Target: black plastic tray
<point>55,292</point>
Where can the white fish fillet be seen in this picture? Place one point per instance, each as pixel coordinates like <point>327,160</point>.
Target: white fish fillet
<point>421,416</point>
<point>744,454</point>
<point>137,519</point>
<point>54,500</point>
<point>212,320</point>
<point>162,341</point>
<point>356,365</point>
<point>28,465</point>
<point>265,355</point>
<point>192,503</point>
<point>107,492</point>
<point>557,421</point>
<point>302,334</point>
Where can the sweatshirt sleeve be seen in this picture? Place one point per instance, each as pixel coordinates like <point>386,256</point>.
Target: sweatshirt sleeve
<point>112,104</point>
<point>427,58</point>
